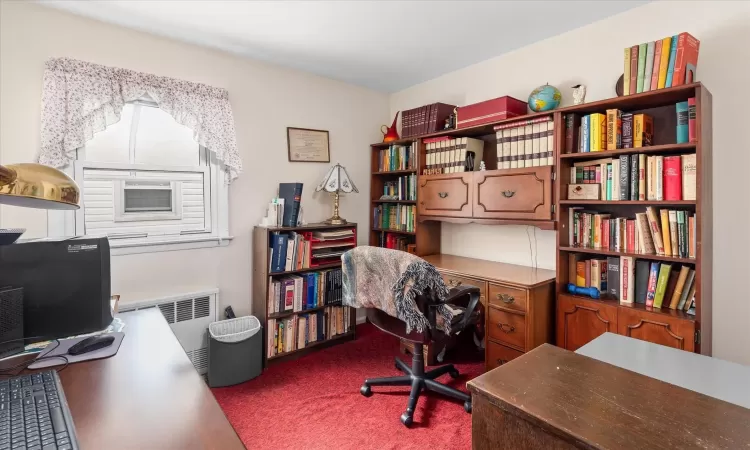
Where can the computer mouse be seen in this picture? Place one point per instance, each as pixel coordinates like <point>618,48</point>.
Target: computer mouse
<point>90,344</point>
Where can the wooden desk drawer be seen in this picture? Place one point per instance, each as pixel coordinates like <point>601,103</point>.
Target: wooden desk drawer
<point>507,297</point>
<point>507,327</point>
<point>457,280</point>
<point>446,195</point>
<point>513,193</point>
<point>498,354</point>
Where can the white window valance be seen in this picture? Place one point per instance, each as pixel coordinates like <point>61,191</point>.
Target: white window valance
<point>80,98</point>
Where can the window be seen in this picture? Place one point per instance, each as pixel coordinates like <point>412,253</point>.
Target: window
<point>147,185</point>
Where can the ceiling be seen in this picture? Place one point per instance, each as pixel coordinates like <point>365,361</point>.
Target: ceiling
<point>383,45</point>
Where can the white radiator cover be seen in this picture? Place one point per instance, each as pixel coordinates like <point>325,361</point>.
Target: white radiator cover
<point>188,315</point>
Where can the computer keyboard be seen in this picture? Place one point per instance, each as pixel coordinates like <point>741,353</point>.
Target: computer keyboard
<point>34,414</point>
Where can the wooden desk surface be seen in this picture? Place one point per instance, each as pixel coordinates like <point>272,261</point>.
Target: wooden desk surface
<point>522,276</point>
<point>147,396</point>
<point>591,404</point>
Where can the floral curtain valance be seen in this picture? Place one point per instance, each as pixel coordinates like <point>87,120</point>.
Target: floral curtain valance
<point>81,98</point>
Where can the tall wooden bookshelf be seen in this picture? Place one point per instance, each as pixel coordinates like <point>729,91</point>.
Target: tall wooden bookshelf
<point>581,319</point>
<point>262,277</point>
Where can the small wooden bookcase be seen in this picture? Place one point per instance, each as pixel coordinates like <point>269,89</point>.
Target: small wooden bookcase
<point>262,278</point>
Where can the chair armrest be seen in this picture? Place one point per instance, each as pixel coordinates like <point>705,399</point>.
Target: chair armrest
<point>462,291</point>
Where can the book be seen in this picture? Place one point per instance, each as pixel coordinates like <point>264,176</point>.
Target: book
<point>656,235</point>
<point>292,195</point>
<point>686,289</point>
<point>596,274</point>
<point>641,67</point>
<point>630,236</point>
<point>634,177</point>
<point>659,175</point>
<point>646,241</point>
<point>661,284</point>
<point>688,176</point>
<point>528,146</point>
<point>278,252</point>
<point>633,69</point>
<point>664,216</point>
<point>627,279</point>
<point>672,56</point>
<point>691,237</point>
<point>514,148</point>
<point>690,298</point>
<point>642,270</point>
<point>686,59</point>
<point>536,145</point>
<point>677,292</point>
<point>650,181</point>
<point>616,179</point>
<point>653,275</point>
<point>650,48</point>
<point>614,129</point>
<point>624,177</point>
<point>641,177</point>
<point>572,125</point>
<point>573,259</point>
<point>692,132</point>
<point>672,178</point>
<point>681,109</point>
<point>627,130</point>
<point>657,62</point>
<point>585,136</point>
<point>626,73</point>
<point>643,130</point>
<point>664,61</point>
<point>613,277</point>
<point>550,143</point>
<point>608,189</point>
<point>673,233</point>
<point>598,131</point>
<point>682,237</point>
<point>581,274</point>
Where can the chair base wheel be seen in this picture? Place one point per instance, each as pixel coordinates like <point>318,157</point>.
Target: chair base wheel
<point>454,374</point>
<point>366,391</point>
<point>467,407</point>
<point>407,420</point>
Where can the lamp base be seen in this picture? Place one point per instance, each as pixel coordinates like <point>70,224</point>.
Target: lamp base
<point>336,221</point>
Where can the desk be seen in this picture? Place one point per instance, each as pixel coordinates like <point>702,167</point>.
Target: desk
<point>551,398</point>
<point>147,396</point>
<point>710,376</point>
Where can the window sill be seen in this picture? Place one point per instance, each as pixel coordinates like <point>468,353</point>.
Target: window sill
<point>166,245</point>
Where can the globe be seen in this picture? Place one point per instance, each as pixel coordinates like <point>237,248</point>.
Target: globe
<point>544,98</point>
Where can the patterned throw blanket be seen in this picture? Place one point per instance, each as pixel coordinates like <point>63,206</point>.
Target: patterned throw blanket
<point>390,281</point>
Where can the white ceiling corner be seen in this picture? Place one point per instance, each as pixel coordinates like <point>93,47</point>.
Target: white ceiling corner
<point>382,45</point>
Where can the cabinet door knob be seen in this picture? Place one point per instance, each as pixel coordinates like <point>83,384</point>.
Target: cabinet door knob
<point>506,298</point>
<point>502,361</point>
<point>442,194</point>
<point>509,193</point>
<point>506,327</point>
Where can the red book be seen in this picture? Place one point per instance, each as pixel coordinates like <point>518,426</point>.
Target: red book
<point>692,134</point>
<point>605,234</point>
<point>597,174</point>
<point>657,61</point>
<point>489,111</point>
<point>633,69</point>
<point>686,59</point>
<point>630,236</point>
<point>672,178</point>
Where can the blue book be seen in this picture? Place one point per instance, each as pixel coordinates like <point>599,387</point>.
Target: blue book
<point>585,144</point>
<point>292,195</point>
<point>310,290</point>
<point>672,57</point>
<point>278,252</point>
<point>682,122</point>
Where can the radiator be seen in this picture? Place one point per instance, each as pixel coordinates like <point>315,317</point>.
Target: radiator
<point>188,315</point>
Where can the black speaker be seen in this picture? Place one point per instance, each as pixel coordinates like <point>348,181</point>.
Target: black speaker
<point>11,321</point>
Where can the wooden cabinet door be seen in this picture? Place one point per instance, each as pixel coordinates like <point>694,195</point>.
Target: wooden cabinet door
<point>514,193</point>
<point>447,195</point>
<point>659,328</point>
<point>580,321</point>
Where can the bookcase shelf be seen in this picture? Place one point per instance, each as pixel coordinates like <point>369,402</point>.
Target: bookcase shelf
<point>395,172</point>
<point>629,202</point>
<point>650,150</point>
<point>403,202</point>
<point>311,347</point>
<point>385,230</point>
<point>309,269</point>
<point>601,251</point>
<point>639,307</point>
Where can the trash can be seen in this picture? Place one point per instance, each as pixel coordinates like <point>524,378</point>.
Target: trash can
<point>235,351</point>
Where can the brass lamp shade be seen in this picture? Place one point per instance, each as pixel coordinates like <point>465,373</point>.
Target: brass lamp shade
<point>37,186</point>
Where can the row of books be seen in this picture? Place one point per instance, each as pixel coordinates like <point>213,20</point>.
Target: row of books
<point>397,242</point>
<point>451,155</point>
<point>305,291</point>
<point>284,209</point>
<point>299,331</point>
<point>404,188</point>
<point>639,177</point>
<point>394,217</point>
<point>631,280</point>
<point>614,130</point>
<point>295,251</point>
<point>664,233</point>
<point>397,157</point>
<point>525,144</point>
<point>668,62</point>
<point>425,119</point>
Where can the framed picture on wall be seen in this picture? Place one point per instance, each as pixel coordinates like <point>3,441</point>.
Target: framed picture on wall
<point>306,145</point>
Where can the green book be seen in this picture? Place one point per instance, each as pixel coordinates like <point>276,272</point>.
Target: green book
<point>661,284</point>
<point>641,67</point>
<point>609,182</point>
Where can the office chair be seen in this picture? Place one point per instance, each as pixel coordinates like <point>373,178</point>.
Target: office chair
<point>464,298</point>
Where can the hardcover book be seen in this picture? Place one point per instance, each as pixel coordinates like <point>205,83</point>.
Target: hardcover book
<point>613,277</point>
<point>572,125</point>
<point>677,293</point>
<point>656,235</point>
<point>292,195</point>
<point>614,129</point>
<point>641,67</point>
<point>645,236</point>
<point>673,233</point>
<point>598,130</point>
<point>633,69</point>
<point>624,177</point>
<point>656,65</point>
<point>627,279</point>
<point>626,72</point>
<point>682,234</point>
<point>659,178</point>
<point>681,109</point>
<point>692,133</point>
<point>634,177</point>
<point>649,66</point>
<point>686,289</point>
<point>642,270</point>
<point>688,176</point>
<point>653,275</point>
<point>585,137</point>
<point>672,56</point>
<point>643,130</point>
<point>664,215</point>
<point>627,130</point>
<point>686,59</point>
<point>661,284</point>
<point>664,62</point>
<point>672,178</point>
<point>641,177</point>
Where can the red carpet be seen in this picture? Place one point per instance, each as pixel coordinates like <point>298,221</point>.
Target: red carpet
<point>314,402</point>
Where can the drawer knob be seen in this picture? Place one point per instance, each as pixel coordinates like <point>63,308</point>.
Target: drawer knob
<point>454,283</point>
<point>506,298</point>
<point>506,327</point>
<point>509,193</point>
<point>442,194</point>
<point>502,361</point>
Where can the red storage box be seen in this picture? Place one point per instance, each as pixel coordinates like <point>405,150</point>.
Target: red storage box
<point>489,111</point>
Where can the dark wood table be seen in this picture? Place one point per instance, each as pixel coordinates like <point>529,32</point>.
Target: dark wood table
<point>147,396</point>
<point>551,398</point>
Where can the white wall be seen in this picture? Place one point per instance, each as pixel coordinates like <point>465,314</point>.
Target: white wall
<point>592,55</point>
<point>266,99</point>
